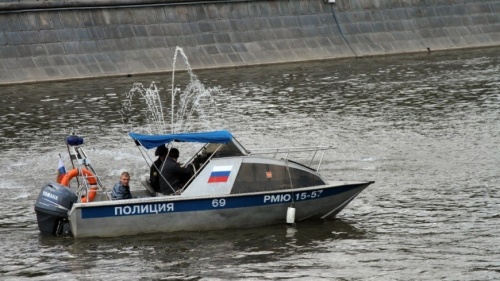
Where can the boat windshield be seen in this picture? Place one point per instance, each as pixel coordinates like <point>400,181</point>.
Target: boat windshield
<point>227,150</point>
<point>255,177</point>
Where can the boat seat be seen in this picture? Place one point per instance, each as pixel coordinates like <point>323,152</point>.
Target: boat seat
<point>147,185</point>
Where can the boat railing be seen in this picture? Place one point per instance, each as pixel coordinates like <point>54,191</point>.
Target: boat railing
<point>80,161</point>
<point>276,152</point>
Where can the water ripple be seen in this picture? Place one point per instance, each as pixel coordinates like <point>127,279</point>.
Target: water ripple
<point>424,127</point>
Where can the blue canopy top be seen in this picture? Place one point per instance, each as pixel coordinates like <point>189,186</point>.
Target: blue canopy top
<point>151,141</point>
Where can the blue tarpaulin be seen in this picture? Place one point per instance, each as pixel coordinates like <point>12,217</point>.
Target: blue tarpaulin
<point>152,141</point>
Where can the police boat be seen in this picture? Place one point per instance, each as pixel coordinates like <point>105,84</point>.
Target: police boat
<point>232,187</point>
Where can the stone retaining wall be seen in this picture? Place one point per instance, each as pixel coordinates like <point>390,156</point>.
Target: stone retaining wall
<point>42,41</point>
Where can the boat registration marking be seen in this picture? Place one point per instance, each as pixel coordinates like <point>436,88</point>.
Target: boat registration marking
<point>287,197</point>
<point>216,203</point>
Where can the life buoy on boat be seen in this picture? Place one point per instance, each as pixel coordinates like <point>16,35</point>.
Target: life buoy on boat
<point>91,178</point>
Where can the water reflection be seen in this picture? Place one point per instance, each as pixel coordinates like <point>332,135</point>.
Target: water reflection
<point>184,254</point>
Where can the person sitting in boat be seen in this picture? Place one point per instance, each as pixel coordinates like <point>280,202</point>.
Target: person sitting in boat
<point>154,172</point>
<point>121,190</point>
<point>173,176</point>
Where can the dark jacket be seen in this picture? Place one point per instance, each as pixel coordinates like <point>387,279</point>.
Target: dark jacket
<point>120,191</point>
<point>154,175</point>
<point>175,175</point>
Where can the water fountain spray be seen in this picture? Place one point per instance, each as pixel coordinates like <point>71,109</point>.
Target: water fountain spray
<point>196,109</point>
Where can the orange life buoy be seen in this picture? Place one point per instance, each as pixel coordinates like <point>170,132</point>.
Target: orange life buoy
<point>91,178</point>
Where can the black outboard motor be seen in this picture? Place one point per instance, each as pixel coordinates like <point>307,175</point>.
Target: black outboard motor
<point>52,207</point>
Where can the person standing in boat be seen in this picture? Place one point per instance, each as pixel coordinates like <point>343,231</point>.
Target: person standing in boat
<point>121,190</point>
<point>173,176</point>
<point>154,172</point>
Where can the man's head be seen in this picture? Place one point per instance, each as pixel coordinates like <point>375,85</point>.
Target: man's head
<point>161,150</point>
<point>125,178</point>
<point>174,153</point>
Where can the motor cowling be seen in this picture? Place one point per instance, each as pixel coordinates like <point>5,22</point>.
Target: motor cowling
<point>52,207</point>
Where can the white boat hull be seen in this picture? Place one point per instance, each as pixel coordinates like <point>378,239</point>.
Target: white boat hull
<point>174,213</point>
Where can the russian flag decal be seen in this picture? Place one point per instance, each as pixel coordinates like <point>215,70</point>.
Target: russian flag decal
<point>220,174</point>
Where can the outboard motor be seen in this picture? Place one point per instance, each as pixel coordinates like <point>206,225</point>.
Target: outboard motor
<point>52,207</point>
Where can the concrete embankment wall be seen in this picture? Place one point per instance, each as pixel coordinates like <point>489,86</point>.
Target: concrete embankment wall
<point>54,40</point>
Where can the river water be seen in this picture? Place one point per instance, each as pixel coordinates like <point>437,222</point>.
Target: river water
<point>424,127</point>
